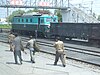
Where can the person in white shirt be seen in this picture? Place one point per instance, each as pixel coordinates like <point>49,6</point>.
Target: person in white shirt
<point>30,46</point>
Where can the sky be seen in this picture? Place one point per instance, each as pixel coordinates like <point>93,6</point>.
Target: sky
<point>95,5</point>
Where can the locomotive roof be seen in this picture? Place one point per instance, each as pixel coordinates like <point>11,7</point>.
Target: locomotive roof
<point>46,15</point>
<point>29,15</point>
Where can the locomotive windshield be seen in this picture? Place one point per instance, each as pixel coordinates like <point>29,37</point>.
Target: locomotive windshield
<point>48,20</point>
<point>42,20</point>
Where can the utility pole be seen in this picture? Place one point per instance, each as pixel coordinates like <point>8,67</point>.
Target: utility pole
<point>55,3</point>
<point>62,3</point>
<point>7,8</point>
<point>68,3</point>
<point>91,7</point>
<point>7,11</point>
<point>35,2</point>
<point>30,2</point>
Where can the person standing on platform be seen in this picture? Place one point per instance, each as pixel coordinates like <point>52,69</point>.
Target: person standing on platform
<point>11,37</point>
<point>17,47</point>
<point>59,46</point>
<point>30,46</point>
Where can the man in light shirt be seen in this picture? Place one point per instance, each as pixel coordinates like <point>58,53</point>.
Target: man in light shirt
<point>11,37</point>
<point>30,46</point>
<point>59,46</point>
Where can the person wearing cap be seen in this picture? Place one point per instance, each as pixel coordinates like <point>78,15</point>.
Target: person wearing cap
<point>59,46</point>
<point>30,46</point>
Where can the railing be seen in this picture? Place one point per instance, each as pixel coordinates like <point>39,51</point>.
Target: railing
<point>85,17</point>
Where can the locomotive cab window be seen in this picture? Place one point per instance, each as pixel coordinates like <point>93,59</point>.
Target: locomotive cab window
<point>26,20</point>
<point>18,20</point>
<point>48,20</point>
<point>30,20</point>
<point>54,19</point>
<point>42,20</point>
<point>22,20</point>
<point>14,20</point>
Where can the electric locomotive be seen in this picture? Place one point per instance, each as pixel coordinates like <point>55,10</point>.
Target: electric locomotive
<point>33,24</point>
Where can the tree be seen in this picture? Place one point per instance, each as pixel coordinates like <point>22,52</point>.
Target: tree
<point>14,13</point>
<point>21,12</point>
<point>39,11</point>
<point>98,18</point>
<point>30,11</point>
<point>57,12</point>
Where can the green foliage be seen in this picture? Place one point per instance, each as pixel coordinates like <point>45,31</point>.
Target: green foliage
<point>99,17</point>
<point>44,11</point>
<point>14,13</point>
<point>20,12</point>
<point>5,26</point>
<point>57,12</point>
<point>30,11</point>
<point>40,11</point>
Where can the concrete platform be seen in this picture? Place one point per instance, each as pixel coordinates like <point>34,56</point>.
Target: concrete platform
<point>43,66</point>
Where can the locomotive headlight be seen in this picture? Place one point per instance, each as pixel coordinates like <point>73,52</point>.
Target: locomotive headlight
<point>24,25</point>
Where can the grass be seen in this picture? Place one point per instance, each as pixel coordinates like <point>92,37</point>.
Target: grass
<point>5,26</point>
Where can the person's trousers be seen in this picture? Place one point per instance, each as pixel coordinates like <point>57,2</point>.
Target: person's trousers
<point>10,46</point>
<point>61,56</point>
<point>17,54</point>
<point>32,53</point>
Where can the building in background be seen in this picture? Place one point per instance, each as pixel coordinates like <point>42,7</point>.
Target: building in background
<point>3,21</point>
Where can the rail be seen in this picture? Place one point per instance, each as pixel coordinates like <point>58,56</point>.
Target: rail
<point>68,49</point>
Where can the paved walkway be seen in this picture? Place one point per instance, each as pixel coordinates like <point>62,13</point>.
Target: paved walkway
<point>43,66</point>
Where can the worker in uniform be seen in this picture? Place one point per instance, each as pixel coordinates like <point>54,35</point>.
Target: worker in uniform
<point>30,46</point>
<point>17,48</point>
<point>59,46</point>
<point>11,37</point>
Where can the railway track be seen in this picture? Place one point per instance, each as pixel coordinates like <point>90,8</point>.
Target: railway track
<point>79,54</point>
<point>76,53</point>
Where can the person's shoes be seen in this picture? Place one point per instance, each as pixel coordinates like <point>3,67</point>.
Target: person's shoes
<point>21,59</point>
<point>64,65</point>
<point>11,50</point>
<point>16,63</point>
<point>55,64</point>
<point>33,61</point>
<point>21,63</point>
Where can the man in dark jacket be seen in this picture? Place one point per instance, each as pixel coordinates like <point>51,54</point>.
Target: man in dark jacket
<point>17,47</point>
